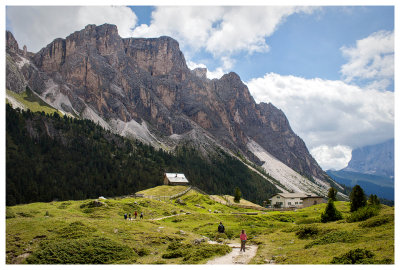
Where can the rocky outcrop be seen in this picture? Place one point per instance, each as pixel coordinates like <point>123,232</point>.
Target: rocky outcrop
<point>96,72</point>
<point>11,43</point>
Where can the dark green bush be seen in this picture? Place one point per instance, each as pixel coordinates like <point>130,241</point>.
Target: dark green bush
<point>283,218</point>
<point>64,205</point>
<point>174,245</point>
<point>143,252</point>
<point>173,254</point>
<point>376,221</point>
<point>81,251</point>
<point>24,214</point>
<point>307,232</point>
<point>355,256</point>
<point>363,213</point>
<point>334,237</point>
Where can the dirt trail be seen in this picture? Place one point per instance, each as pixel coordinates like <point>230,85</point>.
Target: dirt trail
<point>236,256</point>
<point>160,218</point>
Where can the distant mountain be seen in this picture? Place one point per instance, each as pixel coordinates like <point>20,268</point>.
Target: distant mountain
<point>373,159</point>
<point>371,167</point>
<point>382,186</point>
<point>142,88</point>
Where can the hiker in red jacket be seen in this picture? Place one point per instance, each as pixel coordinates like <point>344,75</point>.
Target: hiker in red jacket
<point>243,238</point>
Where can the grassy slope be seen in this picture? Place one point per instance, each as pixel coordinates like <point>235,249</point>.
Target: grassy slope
<point>274,232</point>
<point>164,190</point>
<point>32,102</point>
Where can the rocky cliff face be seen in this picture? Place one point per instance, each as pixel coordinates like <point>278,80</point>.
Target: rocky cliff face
<point>144,86</point>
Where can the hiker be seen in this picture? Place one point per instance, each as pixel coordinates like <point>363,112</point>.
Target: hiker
<point>221,228</point>
<point>125,216</point>
<point>130,217</point>
<point>243,238</point>
<point>141,215</point>
<point>135,214</point>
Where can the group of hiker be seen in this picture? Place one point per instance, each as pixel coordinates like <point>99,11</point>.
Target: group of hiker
<point>129,216</point>
<point>243,236</point>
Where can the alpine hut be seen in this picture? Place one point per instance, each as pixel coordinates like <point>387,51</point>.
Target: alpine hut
<point>175,179</point>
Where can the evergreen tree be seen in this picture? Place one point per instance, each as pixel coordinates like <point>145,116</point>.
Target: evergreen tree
<point>373,200</point>
<point>332,193</point>
<point>330,213</point>
<point>357,198</point>
<point>238,195</point>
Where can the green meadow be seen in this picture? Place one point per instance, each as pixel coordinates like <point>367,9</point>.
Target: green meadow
<point>32,101</point>
<point>176,232</point>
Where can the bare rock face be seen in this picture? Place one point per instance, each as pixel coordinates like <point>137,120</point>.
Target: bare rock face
<point>148,79</point>
<point>11,43</point>
<point>200,72</point>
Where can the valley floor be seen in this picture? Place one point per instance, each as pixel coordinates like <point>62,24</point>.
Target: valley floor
<point>95,232</point>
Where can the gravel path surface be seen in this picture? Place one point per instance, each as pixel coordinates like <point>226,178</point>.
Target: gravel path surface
<point>236,256</point>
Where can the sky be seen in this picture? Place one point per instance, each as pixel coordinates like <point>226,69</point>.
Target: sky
<point>330,69</point>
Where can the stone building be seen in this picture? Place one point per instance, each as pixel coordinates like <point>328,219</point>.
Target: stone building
<point>295,200</point>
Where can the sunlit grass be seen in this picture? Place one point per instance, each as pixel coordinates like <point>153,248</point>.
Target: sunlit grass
<point>274,232</point>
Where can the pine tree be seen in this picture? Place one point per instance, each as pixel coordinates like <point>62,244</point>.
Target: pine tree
<point>357,198</point>
<point>332,194</point>
<point>238,195</point>
<point>330,213</point>
<point>373,200</point>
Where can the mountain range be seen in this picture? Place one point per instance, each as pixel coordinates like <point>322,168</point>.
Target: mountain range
<point>142,88</point>
<point>371,167</point>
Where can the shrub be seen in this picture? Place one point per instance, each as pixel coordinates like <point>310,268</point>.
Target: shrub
<point>174,245</point>
<point>310,220</point>
<point>142,252</point>
<point>24,214</point>
<point>75,230</point>
<point>376,221</point>
<point>355,256</point>
<point>307,232</point>
<point>334,237</point>
<point>173,254</point>
<point>363,213</point>
<point>330,213</point>
<point>81,251</point>
<point>64,205</point>
<point>283,218</point>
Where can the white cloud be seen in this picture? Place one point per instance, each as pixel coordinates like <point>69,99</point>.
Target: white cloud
<point>332,157</point>
<point>221,31</point>
<point>372,59</point>
<point>37,26</point>
<point>330,113</point>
